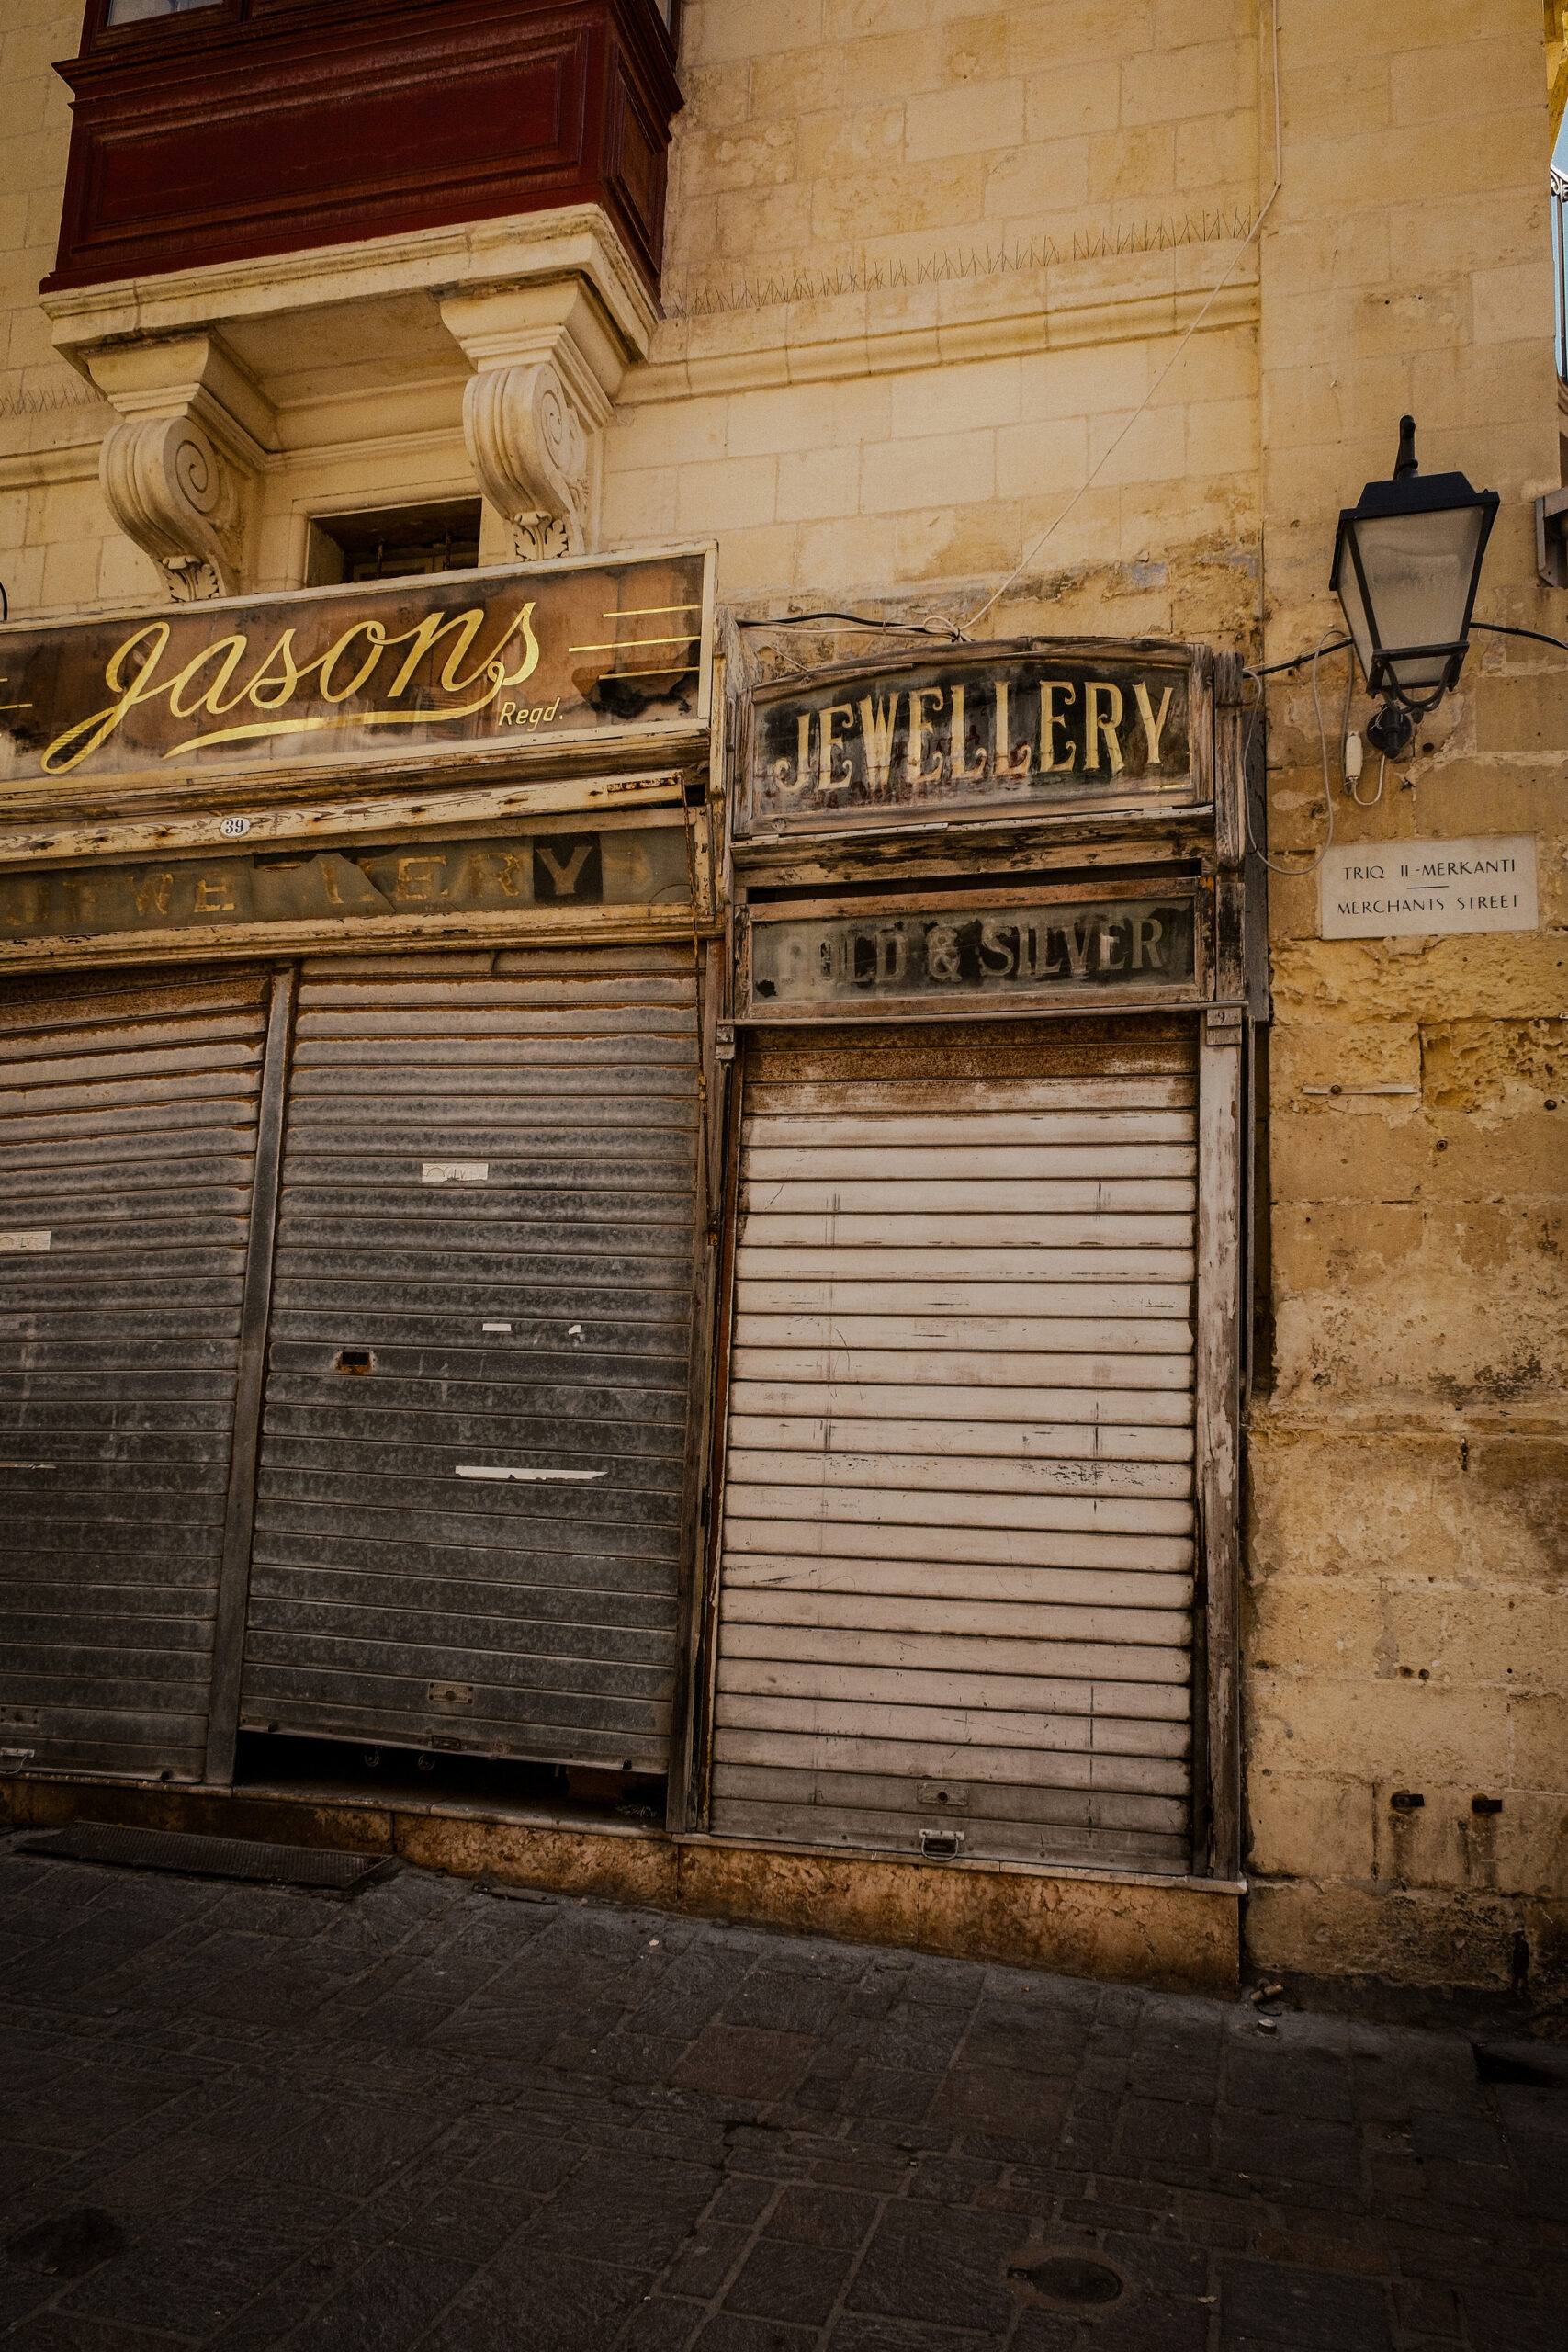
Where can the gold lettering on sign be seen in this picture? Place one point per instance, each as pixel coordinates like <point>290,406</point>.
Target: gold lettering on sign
<point>1012,759</point>
<point>891,952</point>
<point>419,878</point>
<point>269,688</point>
<point>877,724</point>
<point>942,953</point>
<point>962,771</point>
<point>828,744</point>
<point>801,779</point>
<point>376,636</point>
<point>1154,724</point>
<point>285,681</point>
<point>233,652</point>
<point>498,865</point>
<point>214,895</point>
<point>1050,719</point>
<point>565,876</point>
<point>1147,933</point>
<point>1096,728</point>
<point>915,762</point>
<point>428,633</point>
<point>150,895</point>
<point>997,952</point>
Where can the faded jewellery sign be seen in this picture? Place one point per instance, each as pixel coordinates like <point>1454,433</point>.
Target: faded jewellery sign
<point>1399,889</point>
<point>1005,727</point>
<point>505,661</point>
<point>643,867</point>
<point>1000,952</point>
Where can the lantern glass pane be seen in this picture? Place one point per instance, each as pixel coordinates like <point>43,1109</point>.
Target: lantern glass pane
<point>1349,589</point>
<point>1418,572</point>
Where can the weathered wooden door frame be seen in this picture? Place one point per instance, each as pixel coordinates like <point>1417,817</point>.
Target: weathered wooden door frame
<point>235,1573</point>
<point>1216,1758</point>
<point>1217,1777</point>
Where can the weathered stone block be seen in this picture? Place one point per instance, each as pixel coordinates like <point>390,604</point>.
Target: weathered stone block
<point>1303,1826</point>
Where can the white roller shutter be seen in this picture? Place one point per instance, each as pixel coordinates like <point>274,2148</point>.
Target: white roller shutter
<point>957,1558</point>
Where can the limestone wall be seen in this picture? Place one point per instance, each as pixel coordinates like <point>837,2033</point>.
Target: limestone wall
<point>58,550</point>
<point>1407,1627</point>
<point>926,260</point>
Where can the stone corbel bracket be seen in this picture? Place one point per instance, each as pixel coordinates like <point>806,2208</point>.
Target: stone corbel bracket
<point>530,449</point>
<point>179,469</point>
<point>548,362</point>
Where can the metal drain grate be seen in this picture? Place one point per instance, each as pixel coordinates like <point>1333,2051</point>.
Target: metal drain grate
<point>335,1873</point>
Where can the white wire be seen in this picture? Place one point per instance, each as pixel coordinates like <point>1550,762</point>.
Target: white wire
<point>1377,795</point>
<point>1299,873</point>
<point>962,628</point>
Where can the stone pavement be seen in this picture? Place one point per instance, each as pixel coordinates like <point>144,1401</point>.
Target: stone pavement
<point>238,2118</point>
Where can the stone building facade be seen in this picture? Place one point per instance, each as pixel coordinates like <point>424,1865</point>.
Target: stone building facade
<point>1020,326</point>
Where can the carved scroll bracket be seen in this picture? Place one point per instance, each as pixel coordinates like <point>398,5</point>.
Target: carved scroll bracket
<point>179,467</point>
<point>548,362</point>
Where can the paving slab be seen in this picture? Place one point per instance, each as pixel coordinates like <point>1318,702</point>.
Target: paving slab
<point>237,2119</point>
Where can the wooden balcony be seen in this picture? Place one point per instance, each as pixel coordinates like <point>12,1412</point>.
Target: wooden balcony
<point>247,128</point>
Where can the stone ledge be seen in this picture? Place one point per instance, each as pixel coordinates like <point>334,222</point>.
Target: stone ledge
<point>941,326</point>
<point>1173,1935</point>
<point>523,248</point>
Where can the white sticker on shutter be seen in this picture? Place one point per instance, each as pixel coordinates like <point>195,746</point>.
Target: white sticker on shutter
<point>455,1172</point>
<point>23,1241</point>
<point>531,1477</point>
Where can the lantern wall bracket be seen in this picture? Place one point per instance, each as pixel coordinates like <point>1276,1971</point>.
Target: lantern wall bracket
<point>1552,539</point>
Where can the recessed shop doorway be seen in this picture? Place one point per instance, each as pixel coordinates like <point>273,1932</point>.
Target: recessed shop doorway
<point>961,1595</point>
<point>347,1314</point>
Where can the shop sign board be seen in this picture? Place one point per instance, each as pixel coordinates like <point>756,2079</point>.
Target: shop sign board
<point>1002,952</point>
<point>1005,728</point>
<point>1409,890</point>
<point>514,661</point>
<point>512,872</point>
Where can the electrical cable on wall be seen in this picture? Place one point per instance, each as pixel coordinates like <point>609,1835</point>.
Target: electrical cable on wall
<point>1299,873</point>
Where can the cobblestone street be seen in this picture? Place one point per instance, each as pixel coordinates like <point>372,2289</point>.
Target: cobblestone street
<point>243,2118</point>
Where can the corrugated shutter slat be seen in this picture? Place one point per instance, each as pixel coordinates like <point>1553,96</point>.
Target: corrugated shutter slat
<point>118,1347</point>
<point>957,1556</point>
<point>385,1563</point>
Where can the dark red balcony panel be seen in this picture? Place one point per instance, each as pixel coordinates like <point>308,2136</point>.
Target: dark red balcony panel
<point>258,127</point>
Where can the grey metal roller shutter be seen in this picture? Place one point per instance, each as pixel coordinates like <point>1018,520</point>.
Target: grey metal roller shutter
<point>128,1127</point>
<point>957,1560</point>
<point>473,1540</point>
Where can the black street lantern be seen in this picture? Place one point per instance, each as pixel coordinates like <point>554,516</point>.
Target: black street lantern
<point>1406,566</point>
